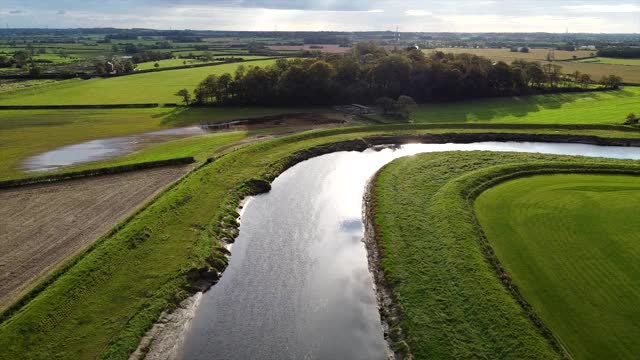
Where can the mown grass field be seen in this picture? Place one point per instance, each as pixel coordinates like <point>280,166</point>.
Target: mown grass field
<point>571,244</point>
<point>85,313</point>
<point>183,62</point>
<point>157,87</point>
<point>611,107</point>
<point>611,61</point>
<point>25,133</point>
<point>454,304</point>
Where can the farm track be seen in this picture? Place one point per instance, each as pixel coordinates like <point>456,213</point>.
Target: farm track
<point>43,225</point>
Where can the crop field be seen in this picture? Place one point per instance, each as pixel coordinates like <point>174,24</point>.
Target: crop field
<point>596,70</point>
<point>611,61</point>
<point>43,225</point>
<point>157,87</point>
<point>570,243</point>
<point>454,304</point>
<point>148,257</point>
<point>24,133</point>
<point>578,108</point>
<point>183,62</point>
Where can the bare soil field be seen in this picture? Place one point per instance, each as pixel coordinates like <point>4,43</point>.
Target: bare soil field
<point>44,225</point>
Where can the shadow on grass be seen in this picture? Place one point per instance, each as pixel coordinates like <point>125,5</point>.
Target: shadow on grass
<point>489,109</point>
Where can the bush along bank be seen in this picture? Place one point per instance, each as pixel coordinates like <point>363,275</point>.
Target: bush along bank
<point>450,296</point>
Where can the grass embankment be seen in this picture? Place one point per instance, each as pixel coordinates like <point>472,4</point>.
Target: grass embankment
<point>25,133</point>
<point>611,107</point>
<point>435,256</point>
<point>104,301</point>
<point>570,243</point>
<point>155,87</point>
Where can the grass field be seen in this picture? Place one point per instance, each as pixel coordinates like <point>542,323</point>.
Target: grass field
<point>578,108</point>
<point>611,61</point>
<point>24,133</point>
<point>171,62</point>
<point>84,314</point>
<point>454,305</point>
<point>571,244</point>
<point>157,87</point>
<point>596,70</point>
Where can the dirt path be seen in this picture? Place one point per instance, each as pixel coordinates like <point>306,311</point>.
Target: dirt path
<point>43,225</point>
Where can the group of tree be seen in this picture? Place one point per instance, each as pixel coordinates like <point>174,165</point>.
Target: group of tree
<point>114,66</point>
<point>370,72</point>
<point>620,52</point>
<point>146,56</point>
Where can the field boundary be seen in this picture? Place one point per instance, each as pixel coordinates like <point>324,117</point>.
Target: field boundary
<point>94,172</point>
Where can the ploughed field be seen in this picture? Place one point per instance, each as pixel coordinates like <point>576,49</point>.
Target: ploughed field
<point>43,225</point>
<point>571,243</point>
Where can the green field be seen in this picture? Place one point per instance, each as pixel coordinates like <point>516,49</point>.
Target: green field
<point>156,87</point>
<point>610,107</point>
<point>611,61</point>
<point>25,133</point>
<point>571,244</point>
<point>453,304</point>
<point>84,314</point>
<point>170,63</point>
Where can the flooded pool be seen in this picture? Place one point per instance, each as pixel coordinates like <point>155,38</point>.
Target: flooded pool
<point>298,285</point>
<point>103,149</point>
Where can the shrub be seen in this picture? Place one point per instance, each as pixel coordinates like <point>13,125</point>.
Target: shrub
<point>632,119</point>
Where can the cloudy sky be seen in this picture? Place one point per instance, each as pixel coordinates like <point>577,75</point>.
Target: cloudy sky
<point>340,15</point>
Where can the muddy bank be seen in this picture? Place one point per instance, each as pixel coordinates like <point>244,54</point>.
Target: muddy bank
<point>390,312</point>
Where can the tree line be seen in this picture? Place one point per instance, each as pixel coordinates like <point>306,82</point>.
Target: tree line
<point>370,72</point>
<point>620,52</point>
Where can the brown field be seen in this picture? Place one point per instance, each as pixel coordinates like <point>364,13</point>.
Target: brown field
<point>43,225</point>
<point>628,73</point>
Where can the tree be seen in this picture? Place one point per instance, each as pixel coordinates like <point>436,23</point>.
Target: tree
<point>156,65</point>
<point>405,106</point>
<point>387,105</point>
<point>185,95</point>
<point>34,71</point>
<point>632,119</point>
<point>584,80</point>
<point>524,50</point>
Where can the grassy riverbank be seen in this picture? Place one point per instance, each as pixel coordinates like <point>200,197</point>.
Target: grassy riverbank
<point>568,241</point>
<point>104,301</point>
<point>435,257</point>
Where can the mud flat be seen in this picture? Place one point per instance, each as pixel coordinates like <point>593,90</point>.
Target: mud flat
<point>43,225</point>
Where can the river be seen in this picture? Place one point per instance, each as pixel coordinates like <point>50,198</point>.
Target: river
<point>298,285</point>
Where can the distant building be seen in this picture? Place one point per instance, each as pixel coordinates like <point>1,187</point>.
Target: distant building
<point>587,47</point>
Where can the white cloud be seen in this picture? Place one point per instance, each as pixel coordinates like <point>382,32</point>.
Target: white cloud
<point>605,8</point>
<point>418,13</point>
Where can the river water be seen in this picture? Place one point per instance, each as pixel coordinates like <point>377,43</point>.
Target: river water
<point>298,285</point>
